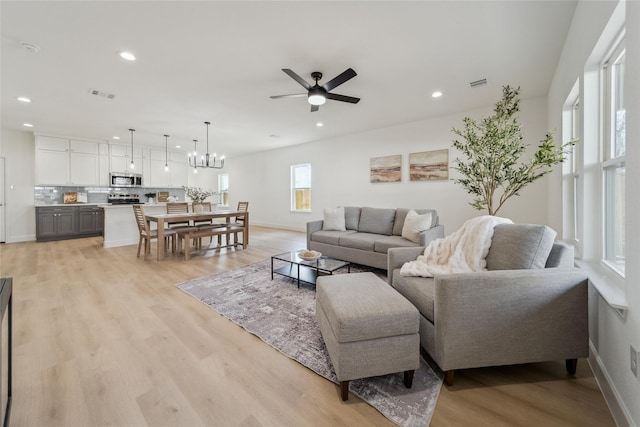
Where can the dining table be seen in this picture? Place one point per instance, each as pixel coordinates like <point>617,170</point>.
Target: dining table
<point>165,219</point>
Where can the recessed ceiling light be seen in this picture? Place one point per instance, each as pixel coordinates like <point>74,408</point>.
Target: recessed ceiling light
<point>23,99</point>
<point>436,94</point>
<point>27,125</point>
<point>178,146</point>
<point>319,124</point>
<point>128,56</point>
<point>116,137</point>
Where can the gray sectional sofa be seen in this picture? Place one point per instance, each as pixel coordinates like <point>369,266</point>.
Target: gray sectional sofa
<point>368,234</point>
<point>530,306</point>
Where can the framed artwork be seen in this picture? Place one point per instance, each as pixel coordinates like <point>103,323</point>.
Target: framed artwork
<point>386,169</point>
<point>429,165</point>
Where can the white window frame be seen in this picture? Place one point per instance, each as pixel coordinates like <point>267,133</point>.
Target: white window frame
<point>295,169</point>
<point>223,189</point>
<point>613,165</point>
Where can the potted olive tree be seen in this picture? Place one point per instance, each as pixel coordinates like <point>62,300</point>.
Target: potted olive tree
<point>493,172</point>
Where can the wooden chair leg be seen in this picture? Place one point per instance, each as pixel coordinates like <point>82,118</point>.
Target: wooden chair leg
<point>408,378</point>
<point>572,365</point>
<point>448,377</point>
<point>139,246</point>
<point>344,390</point>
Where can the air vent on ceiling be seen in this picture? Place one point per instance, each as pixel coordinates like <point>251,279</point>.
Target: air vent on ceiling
<point>97,92</point>
<point>478,83</point>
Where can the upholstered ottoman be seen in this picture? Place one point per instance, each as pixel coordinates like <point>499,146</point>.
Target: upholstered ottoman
<point>368,327</point>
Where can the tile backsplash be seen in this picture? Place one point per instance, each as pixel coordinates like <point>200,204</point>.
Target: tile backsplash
<point>51,195</point>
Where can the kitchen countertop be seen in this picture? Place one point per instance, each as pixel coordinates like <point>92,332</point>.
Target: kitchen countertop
<point>55,205</point>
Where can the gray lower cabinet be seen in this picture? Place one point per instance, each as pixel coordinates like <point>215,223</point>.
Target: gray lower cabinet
<point>90,220</point>
<point>68,222</point>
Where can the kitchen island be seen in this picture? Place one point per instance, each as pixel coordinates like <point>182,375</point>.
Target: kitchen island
<point>120,228</point>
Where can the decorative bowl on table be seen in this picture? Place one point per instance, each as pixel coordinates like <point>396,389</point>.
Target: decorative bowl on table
<point>309,255</point>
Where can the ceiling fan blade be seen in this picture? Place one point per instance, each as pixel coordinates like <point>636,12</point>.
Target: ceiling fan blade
<point>315,108</point>
<point>343,98</point>
<point>297,78</point>
<point>338,80</point>
<point>293,95</point>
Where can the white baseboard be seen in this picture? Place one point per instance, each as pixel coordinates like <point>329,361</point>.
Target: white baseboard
<point>24,238</point>
<point>278,226</point>
<point>619,411</point>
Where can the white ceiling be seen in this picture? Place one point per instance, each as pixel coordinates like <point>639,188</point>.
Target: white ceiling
<point>220,62</point>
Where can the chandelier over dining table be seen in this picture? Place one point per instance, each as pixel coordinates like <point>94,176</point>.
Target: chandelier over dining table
<point>207,160</point>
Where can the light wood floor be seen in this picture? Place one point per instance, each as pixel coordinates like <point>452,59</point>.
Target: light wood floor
<point>103,338</point>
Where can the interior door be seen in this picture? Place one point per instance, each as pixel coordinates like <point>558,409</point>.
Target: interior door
<point>2,203</point>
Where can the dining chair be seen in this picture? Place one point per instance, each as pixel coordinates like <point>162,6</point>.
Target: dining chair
<point>239,220</point>
<point>206,207</point>
<point>146,234</point>
<point>178,208</point>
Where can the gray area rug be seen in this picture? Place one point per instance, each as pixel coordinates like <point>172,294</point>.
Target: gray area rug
<point>283,316</point>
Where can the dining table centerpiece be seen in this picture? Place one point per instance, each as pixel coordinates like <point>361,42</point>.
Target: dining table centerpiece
<point>197,194</point>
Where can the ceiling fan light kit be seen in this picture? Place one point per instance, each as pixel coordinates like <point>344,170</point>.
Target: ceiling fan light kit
<point>317,95</point>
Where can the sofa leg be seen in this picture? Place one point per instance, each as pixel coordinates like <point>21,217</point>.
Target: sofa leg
<point>572,365</point>
<point>408,378</point>
<point>344,390</point>
<point>448,377</point>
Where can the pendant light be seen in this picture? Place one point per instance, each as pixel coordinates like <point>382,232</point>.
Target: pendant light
<point>195,156</point>
<point>208,160</point>
<point>132,166</point>
<point>166,153</point>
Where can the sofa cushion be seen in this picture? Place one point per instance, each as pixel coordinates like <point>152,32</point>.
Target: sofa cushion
<point>520,246</point>
<point>561,255</point>
<point>352,217</point>
<point>363,241</point>
<point>329,237</point>
<point>420,291</point>
<point>401,214</point>
<point>334,219</point>
<point>414,224</point>
<point>383,243</point>
<point>376,220</point>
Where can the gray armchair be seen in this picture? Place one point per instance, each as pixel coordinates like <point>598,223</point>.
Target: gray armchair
<point>505,315</point>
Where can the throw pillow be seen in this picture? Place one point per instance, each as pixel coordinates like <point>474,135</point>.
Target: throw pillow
<point>414,224</point>
<point>334,219</point>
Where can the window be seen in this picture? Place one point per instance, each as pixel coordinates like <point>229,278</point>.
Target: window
<point>571,171</point>
<point>223,189</point>
<point>575,175</point>
<point>613,160</point>
<point>301,188</point>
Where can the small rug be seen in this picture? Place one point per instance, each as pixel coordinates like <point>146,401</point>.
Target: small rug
<point>283,316</point>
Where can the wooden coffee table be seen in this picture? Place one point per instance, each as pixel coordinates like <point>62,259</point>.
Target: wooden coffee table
<point>306,271</point>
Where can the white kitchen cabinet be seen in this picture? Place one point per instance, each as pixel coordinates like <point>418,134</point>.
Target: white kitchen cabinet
<point>62,161</point>
<point>121,159</point>
<point>177,174</point>
<point>103,161</point>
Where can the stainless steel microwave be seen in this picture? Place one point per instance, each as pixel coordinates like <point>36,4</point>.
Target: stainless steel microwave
<point>125,180</point>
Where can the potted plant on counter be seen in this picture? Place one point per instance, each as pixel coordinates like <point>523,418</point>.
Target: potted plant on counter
<point>150,197</point>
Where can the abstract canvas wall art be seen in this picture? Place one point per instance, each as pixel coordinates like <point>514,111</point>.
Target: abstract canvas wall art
<point>429,165</point>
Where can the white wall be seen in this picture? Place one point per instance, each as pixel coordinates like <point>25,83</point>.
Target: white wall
<point>18,148</point>
<point>340,173</point>
<point>592,30</point>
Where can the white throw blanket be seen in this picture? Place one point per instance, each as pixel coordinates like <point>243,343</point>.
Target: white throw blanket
<point>463,251</point>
